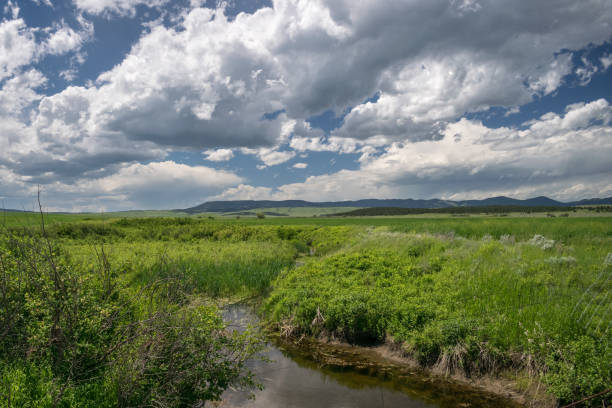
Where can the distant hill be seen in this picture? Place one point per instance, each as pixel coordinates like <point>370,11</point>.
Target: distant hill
<point>593,201</point>
<point>501,210</point>
<point>245,205</point>
<point>540,201</point>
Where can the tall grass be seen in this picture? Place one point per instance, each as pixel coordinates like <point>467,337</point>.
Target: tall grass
<point>228,269</point>
<point>211,258</point>
<point>470,305</point>
<point>473,295</point>
<point>78,333</point>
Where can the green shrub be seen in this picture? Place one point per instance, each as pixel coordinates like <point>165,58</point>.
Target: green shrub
<point>76,336</point>
<point>466,305</point>
<point>581,367</point>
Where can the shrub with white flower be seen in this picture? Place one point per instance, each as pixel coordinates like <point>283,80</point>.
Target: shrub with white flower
<point>541,242</point>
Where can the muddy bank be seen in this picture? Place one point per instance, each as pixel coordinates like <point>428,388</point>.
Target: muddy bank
<point>309,373</point>
<point>387,363</point>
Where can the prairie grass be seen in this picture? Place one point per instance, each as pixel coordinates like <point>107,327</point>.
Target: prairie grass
<point>475,295</point>
<point>212,258</point>
<point>212,268</point>
<point>80,329</point>
<point>469,305</point>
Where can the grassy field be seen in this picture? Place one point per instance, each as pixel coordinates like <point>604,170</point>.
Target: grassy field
<point>278,212</point>
<point>291,216</point>
<point>474,304</point>
<point>33,219</point>
<point>302,211</point>
<point>525,298</point>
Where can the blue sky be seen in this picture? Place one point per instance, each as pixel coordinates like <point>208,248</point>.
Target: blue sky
<point>126,104</point>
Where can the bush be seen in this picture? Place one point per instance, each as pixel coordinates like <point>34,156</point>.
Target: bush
<point>466,306</point>
<point>582,367</point>
<point>181,359</point>
<point>77,337</point>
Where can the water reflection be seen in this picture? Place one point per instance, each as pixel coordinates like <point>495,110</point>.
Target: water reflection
<point>294,378</point>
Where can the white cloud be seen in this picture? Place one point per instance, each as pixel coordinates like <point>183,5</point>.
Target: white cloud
<point>162,184</point>
<point>20,48</point>
<point>14,190</point>
<point>300,165</point>
<point>11,8</point>
<point>586,71</point>
<point>68,74</point>
<point>219,155</point>
<point>157,185</point>
<point>65,40</point>
<point>19,92</point>
<point>119,7</point>
<point>244,192</point>
<point>20,84</point>
<point>546,81</point>
<point>606,61</point>
<point>17,47</point>
<point>211,83</point>
<point>234,71</point>
<point>424,95</point>
<point>273,157</point>
<point>564,156</point>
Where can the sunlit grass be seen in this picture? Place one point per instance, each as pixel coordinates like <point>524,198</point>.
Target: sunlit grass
<point>476,304</point>
<point>210,268</point>
<point>471,293</point>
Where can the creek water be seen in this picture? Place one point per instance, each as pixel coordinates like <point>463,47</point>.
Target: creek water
<point>309,375</point>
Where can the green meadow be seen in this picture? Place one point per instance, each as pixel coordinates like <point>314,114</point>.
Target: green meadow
<point>97,306</point>
<point>289,211</point>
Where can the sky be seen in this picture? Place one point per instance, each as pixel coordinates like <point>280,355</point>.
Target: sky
<point>112,105</point>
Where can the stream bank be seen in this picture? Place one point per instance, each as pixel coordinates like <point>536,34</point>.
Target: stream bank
<point>313,374</point>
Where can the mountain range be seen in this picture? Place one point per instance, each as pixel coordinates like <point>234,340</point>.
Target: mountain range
<point>243,205</point>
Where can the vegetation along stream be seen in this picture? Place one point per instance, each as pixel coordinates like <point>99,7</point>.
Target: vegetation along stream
<point>315,375</point>
<point>377,312</point>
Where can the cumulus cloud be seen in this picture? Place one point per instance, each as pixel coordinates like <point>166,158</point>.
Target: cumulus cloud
<point>425,95</point>
<point>17,47</point>
<point>586,71</point>
<point>23,147</point>
<point>162,184</point>
<point>156,185</point>
<point>21,47</point>
<point>606,61</point>
<point>327,144</point>
<point>210,100</point>
<point>219,155</point>
<point>245,192</point>
<point>117,7</point>
<point>302,58</point>
<point>427,76</point>
<point>56,148</point>
<point>250,83</point>
<point>19,92</point>
<point>300,165</point>
<point>65,39</point>
<point>565,156</point>
<point>271,157</point>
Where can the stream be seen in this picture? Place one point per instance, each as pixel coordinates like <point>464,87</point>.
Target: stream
<point>339,376</point>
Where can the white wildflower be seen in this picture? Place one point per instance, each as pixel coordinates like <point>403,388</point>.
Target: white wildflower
<point>541,242</point>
